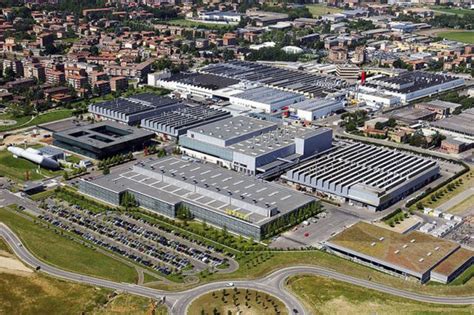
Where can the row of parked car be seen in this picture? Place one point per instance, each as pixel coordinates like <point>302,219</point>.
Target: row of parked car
<point>88,226</point>
<point>147,233</point>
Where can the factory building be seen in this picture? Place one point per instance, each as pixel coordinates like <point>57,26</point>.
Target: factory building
<point>407,87</point>
<point>414,254</point>
<point>308,84</point>
<point>102,140</point>
<point>133,109</point>
<point>254,146</point>
<point>192,84</point>
<point>177,122</point>
<point>220,197</point>
<point>314,109</point>
<point>364,175</point>
<point>265,99</point>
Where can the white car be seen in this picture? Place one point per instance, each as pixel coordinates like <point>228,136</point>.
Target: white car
<point>230,284</point>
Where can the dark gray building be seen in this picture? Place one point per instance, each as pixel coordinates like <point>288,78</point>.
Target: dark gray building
<point>177,122</point>
<point>133,109</point>
<point>102,139</point>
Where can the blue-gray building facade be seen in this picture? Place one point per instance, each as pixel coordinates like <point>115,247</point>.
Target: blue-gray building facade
<point>220,197</point>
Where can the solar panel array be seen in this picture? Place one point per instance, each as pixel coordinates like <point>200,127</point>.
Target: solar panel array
<point>312,85</point>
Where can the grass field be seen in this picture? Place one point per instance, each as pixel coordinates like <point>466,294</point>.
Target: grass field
<point>254,268</point>
<point>237,301</point>
<point>461,207</point>
<point>445,10</point>
<point>4,247</point>
<point>16,168</point>
<point>321,9</point>
<point>58,250</point>
<point>325,296</point>
<point>464,37</point>
<point>26,121</point>
<point>39,294</point>
<point>467,182</point>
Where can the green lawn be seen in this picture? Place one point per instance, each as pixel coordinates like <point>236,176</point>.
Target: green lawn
<point>16,168</point>
<point>326,296</point>
<point>26,121</point>
<point>321,9</point>
<point>231,301</point>
<point>460,36</point>
<point>58,250</point>
<point>19,121</point>
<point>445,10</point>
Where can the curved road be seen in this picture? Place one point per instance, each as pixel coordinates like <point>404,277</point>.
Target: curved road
<point>178,302</point>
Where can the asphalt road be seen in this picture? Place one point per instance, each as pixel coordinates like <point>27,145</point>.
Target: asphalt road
<point>178,302</point>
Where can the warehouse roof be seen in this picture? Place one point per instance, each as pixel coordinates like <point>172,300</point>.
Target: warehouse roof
<point>266,95</point>
<point>217,186</point>
<point>461,123</point>
<point>414,251</point>
<point>454,262</point>
<point>234,127</point>
<point>208,81</point>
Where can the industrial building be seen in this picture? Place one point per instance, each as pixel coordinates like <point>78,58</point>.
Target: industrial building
<point>308,84</point>
<point>458,125</point>
<point>254,146</point>
<point>104,139</point>
<point>221,197</point>
<point>313,109</point>
<point>265,99</point>
<point>133,109</point>
<point>413,254</point>
<point>177,122</point>
<point>364,175</point>
<point>408,86</point>
<point>195,84</point>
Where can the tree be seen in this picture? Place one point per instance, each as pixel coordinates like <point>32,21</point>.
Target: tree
<point>128,201</point>
<point>9,74</point>
<point>183,213</point>
<point>94,50</point>
<point>106,170</point>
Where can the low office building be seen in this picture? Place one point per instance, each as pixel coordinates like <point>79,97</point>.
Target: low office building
<point>221,197</point>
<point>314,109</point>
<point>176,123</point>
<point>364,175</point>
<point>254,146</point>
<point>410,86</point>
<point>133,109</point>
<point>413,254</point>
<point>102,140</point>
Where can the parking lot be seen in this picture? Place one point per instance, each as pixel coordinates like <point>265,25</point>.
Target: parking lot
<point>316,230</point>
<point>464,233</point>
<point>149,245</point>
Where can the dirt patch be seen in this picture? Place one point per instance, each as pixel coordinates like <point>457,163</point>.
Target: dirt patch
<point>9,264</point>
